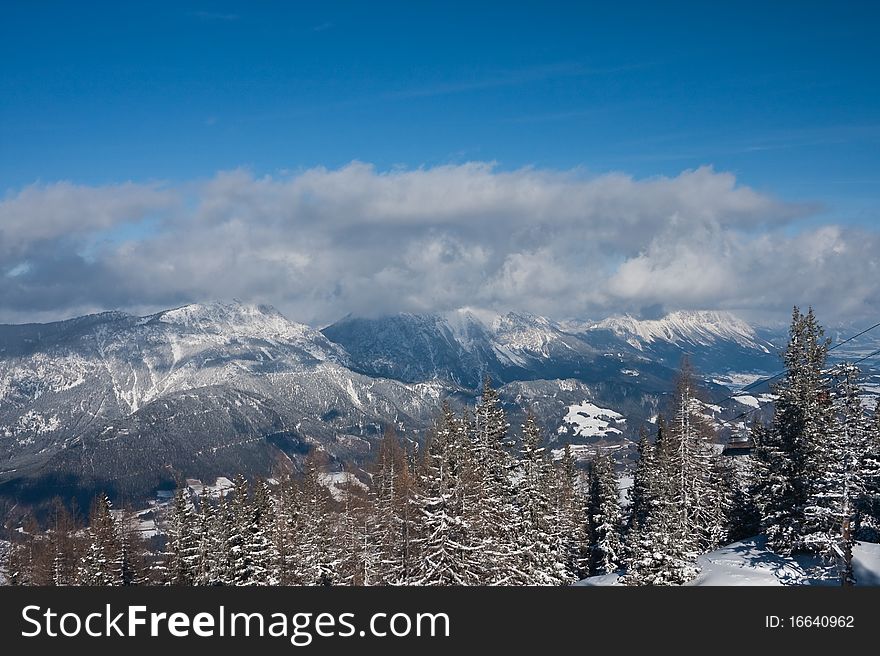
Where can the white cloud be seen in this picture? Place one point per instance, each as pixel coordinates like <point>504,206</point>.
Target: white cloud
<point>321,243</point>
<point>45,212</point>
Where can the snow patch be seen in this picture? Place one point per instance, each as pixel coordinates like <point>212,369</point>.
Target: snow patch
<point>336,482</point>
<point>589,420</point>
<point>751,562</point>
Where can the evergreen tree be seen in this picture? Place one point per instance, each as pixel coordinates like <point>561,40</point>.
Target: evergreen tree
<point>792,450</point>
<point>839,481</point>
<point>449,553</point>
<point>538,545</point>
<point>258,535</point>
<point>239,521</point>
<point>101,564</point>
<point>287,530</point>
<point>642,490</point>
<point>316,553</point>
<point>606,545</point>
<point>572,526</point>
<point>498,517</point>
<point>869,505</point>
<point>657,554</point>
<point>695,494</point>
<point>390,556</point>
<point>211,561</point>
<point>183,546</point>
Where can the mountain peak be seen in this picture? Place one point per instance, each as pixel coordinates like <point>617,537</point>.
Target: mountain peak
<point>236,316</point>
<point>703,327</point>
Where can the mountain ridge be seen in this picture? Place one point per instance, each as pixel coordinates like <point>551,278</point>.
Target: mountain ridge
<point>215,388</point>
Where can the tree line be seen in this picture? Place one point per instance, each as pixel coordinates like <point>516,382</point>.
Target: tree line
<point>480,504</point>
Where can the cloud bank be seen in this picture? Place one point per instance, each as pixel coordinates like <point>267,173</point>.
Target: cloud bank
<point>321,243</point>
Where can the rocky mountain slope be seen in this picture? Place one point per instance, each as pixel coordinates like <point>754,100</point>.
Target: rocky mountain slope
<point>130,404</point>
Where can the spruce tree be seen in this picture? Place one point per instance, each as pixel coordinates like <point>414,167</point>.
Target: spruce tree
<point>656,553</point>
<point>182,547</point>
<point>606,545</point>
<point>450,552</point>
<point>211,561</point>
<point>287,530</point>
<point>570,519</point>
<point>239,520</point>
<point>317,555</point>
<point>101,563</point>
<point>258,535</point>
<point>391,492</point>
<point>839,484</point>
<point>793,447</point>
<point>641,492</point>
<point>538,545</point>
<point>869,506</point>
<point>493,465</point>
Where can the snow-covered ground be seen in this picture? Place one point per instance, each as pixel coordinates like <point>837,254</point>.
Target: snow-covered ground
<point>750,562</point>
<point>336,483</point>
<point>589,420</point>
<point>584,452</point>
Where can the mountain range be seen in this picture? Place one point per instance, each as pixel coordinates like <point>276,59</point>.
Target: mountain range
<point>131,404</point>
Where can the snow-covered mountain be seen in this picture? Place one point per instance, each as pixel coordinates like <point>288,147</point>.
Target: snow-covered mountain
<point>116,400</point>
<point>462,347</point>
<point>127,404</point>
<point>716,342</point>
<point>703,328</point>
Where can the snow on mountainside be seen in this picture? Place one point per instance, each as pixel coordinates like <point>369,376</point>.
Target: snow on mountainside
<point>461,347</point>
<point>202,390</point>
<point>464,345</point>
<point>589,420</point>
<point>716,342</point>
<point>212,389</point>
<point>703,328</point>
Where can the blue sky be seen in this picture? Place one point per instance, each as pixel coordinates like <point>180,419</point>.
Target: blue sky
<point>782,95</point>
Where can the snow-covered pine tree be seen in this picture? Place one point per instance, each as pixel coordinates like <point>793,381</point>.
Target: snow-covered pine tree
<point>100,565</point>
<point>391,492</point>
<point>831,511</point>
<point>538,545</point>
<point>316,550</point>
<point>449,551</point>
<point>258,535</point>
<point>790,453</point>
<point>744,516</point>
<point>182,547</point>
<point>693,489</point>
<point>721,495</point>
<point>641,491</point>
<point>498,518</point>
<point>570,519</point>
<point>63,545</point>
<point>239,567</point>
<point>286,533</point>
<point>869,507</point>
<point>211,561</point>
<point>603,511</point>
<point>132,564</point>
<point>656,555</point>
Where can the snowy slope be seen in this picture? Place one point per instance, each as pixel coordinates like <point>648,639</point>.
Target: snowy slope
<point>589,420</point>
<point>193,390</point>
<point>716,342</point>
<point>750,562</point>
<point>704,328</point>
<point>461,347</point>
